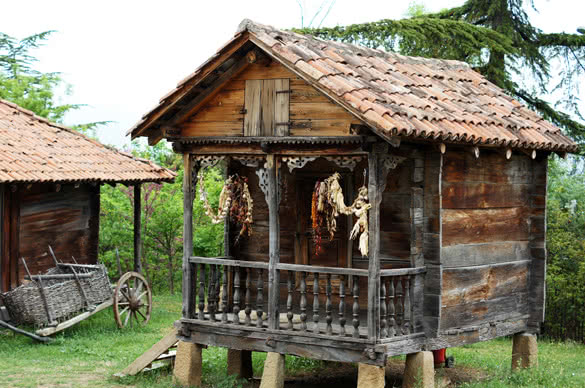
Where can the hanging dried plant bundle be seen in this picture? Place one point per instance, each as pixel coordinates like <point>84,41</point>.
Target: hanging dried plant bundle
<point>360,209</point>
<point>328,203</point>
<point>234,200</point>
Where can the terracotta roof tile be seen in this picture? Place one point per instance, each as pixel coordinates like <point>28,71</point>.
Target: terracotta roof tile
<point>404,96</point>
<point>32,149</point>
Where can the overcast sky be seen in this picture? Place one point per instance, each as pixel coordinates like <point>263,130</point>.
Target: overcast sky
<point>121,56</point>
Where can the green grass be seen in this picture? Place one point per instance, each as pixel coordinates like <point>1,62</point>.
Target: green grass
<point>87,355</point>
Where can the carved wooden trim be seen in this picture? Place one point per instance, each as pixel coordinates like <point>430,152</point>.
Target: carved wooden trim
<point>390,162</point>
<point>297,161</point>
<point>345,161</point>
<point>204,161</point>
<point>250,160</point>
<point>263,180</point>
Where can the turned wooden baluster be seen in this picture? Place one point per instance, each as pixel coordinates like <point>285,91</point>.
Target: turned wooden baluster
<point>260,298</point>
<point>342,305</point>
<point>316,302</point>
<point>356,308</point>
<point>406,325</point>
<point>328,306</point>
<point>201,291</point>
<point>236,309</point>
<point>248,298</point>
<point>399,305</point>
<point>391,309</point>
<point>303,304</point>
<point>289,299</point>
<point>217,287</point>
<point>211,293</point>
<point>224,296</point>
<point>383,318</point>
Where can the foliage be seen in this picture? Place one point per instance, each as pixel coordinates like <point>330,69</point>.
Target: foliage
<point>565,315</point>
<point>498,40</point>
<point>162,222</point>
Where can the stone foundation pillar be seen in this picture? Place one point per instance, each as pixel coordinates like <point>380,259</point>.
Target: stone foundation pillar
<point>188,362</point>
<point>371,376</point>
<point>239,363</point>
<point>524,351</point>
<point>273,376</point>
<point>419,370</point>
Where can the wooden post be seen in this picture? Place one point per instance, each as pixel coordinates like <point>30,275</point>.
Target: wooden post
<point>274,242</point>
<point>188,300</point>
<point>137,229</point>
<point>376,184</point>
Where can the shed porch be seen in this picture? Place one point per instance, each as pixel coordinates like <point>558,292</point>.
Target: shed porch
<point>262,296</point>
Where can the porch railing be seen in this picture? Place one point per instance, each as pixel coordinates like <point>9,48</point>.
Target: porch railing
<point>314,301</point>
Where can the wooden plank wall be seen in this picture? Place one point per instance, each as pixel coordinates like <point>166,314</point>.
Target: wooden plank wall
<point>68,220</point>
<point>311,113</point>
<point>486,231</point>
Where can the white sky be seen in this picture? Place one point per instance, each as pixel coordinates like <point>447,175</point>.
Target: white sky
<point>121,56</point>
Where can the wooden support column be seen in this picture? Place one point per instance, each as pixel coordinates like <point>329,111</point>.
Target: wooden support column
<point>188,190</point>
<point>273,200</point>
<point>524,351</point>
<point>376,185</point>
<point>137,229</point>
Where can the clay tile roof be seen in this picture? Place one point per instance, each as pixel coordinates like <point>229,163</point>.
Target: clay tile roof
<point>32,149</point>
<point>396,95</point>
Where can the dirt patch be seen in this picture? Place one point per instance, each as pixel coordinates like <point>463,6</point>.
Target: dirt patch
<point>341,375</point>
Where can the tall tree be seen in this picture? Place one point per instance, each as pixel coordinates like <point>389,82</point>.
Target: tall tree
<point>498,40</point>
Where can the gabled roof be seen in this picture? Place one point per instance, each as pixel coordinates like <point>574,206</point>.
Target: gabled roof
<point>32,149</point>
<point>410,97</point>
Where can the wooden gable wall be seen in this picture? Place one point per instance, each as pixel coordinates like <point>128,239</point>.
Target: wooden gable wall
<point>311,113</point>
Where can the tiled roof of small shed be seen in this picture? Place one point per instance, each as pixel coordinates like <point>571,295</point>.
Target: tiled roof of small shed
<point>396,95</point>
<point>32,149</point>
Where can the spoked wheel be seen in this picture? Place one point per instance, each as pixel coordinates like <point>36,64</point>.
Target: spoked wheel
<point>132,300</point>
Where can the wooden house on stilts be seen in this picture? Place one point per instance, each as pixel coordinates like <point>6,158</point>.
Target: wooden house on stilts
<point>451,175</point>
<point>50,178</point>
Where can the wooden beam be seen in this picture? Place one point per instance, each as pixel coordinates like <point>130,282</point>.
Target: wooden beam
<point>150,355</point>
<point>376,184</point>
<point>187,235</point>
<point>274,241</point>
<point>137,229</point>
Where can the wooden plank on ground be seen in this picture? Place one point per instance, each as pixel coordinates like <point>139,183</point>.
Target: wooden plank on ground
<point>151,354</point>
<point>62,326</point>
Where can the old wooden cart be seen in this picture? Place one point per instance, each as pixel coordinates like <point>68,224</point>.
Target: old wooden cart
<point>70,293</point>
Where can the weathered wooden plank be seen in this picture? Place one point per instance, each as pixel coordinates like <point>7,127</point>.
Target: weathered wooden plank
<point>73,321</point>
<point>470,284</point>
<point>267,100</point>
<point>502,308</point>
<point>188,190</point>
<point>281,107</point>
<point>151,354</point>
<point>491,167</point>
<point>273,201</point>
<point>485,253</point>
<point>323,270</point>
<point>252,103</point>
<point>473,334</point>
<point>468,226</point>
<point>470,195</point>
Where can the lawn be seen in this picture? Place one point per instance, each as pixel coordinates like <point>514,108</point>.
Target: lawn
<point>88,354</point>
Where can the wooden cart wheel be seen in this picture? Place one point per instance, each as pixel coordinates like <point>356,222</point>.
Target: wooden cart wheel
<point>132,300</point>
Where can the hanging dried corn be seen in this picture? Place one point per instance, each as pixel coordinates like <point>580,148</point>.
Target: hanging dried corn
<point>234,200</point>
<point>328,203</point>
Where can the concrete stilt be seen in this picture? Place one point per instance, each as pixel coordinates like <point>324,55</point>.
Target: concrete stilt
<point>419,370</point>
<point>524,351</point>
<point>239,363</point>
<point>188,363</point>
<point>273,376</point>
<point>371,376</point>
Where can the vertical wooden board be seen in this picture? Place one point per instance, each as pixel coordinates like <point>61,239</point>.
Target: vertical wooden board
<point>252,104</point>
<point>282,107</point>
<point>267,101</point>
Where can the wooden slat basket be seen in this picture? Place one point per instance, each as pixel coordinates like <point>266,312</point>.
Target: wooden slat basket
<point>48,299</point>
